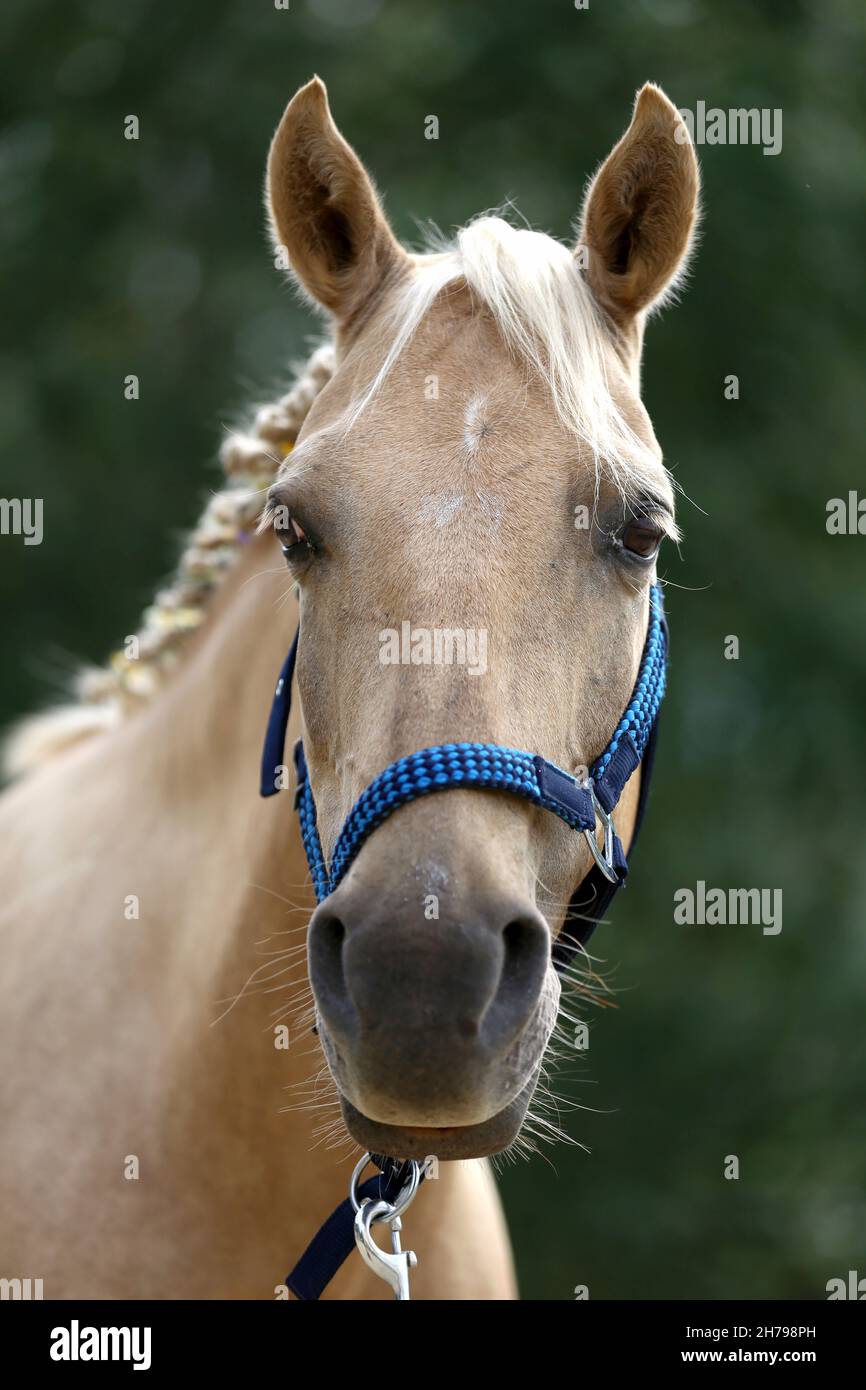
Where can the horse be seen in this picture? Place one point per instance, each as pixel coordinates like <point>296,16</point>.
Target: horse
<point>193,1049</point>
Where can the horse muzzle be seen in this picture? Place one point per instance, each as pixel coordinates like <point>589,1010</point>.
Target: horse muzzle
<point>434,1031</point>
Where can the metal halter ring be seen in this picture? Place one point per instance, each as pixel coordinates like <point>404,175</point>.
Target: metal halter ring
<point>604,859</point>
<point>405,1197</point>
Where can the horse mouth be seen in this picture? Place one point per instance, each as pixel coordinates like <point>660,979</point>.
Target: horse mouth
<point>447,1143</point>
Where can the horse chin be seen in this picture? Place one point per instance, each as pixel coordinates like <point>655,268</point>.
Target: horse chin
<point>447,1143</point>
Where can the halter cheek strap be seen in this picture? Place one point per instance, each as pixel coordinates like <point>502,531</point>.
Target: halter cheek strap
<point>490,767</point>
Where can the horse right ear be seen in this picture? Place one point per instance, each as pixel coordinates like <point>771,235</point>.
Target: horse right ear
<point>324,209</point>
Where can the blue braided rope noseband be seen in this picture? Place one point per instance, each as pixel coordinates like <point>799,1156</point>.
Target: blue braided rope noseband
<point>489,766</point>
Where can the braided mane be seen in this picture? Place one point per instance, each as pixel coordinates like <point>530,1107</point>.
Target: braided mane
<point>250,461</point>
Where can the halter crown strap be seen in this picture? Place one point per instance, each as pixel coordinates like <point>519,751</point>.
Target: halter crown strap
<point>488,766</point>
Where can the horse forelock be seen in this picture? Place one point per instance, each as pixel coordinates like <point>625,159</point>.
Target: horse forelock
<point>534,288</point>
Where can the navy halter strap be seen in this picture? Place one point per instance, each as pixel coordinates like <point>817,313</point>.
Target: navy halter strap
<point>491,767</point>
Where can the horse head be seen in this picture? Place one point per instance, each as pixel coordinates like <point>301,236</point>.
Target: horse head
<point>472,514</point>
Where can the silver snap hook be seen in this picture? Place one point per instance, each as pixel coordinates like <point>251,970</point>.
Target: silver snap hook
<point>393,1266</point>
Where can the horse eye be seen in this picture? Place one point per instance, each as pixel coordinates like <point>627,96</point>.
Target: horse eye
<point>289,532</point>
<point>642,538</point>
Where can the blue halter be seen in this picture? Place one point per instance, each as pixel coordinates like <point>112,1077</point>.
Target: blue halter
<point>489,766</point>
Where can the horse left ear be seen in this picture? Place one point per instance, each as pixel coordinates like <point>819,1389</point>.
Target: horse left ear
<point>640,211</point>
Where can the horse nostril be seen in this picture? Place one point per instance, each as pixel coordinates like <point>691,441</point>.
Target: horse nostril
<point>526,954</point>
<point>325,948</point>
<point>526,948</point>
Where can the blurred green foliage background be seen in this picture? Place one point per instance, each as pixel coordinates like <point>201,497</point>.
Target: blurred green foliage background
<point>150,257</point>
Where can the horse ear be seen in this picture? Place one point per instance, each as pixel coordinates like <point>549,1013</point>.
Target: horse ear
<point>640,210</point>
<point>324,209</point>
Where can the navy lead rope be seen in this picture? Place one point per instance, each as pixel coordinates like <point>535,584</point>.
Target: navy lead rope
<point>486,767</point>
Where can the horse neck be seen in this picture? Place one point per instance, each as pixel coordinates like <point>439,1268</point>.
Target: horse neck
<point>202,743</point>
<point>209,720</point>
